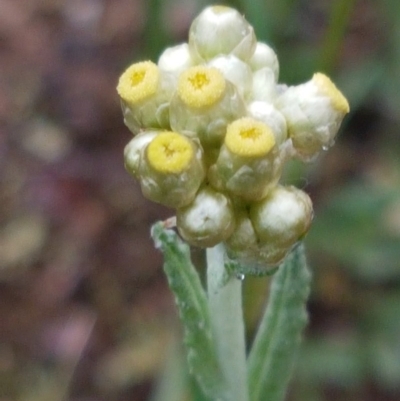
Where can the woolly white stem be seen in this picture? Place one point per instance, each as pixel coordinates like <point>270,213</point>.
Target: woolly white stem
<point>225,301</point>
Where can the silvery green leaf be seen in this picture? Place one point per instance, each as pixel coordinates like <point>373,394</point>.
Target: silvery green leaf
<point>277,340</point>
<point>192,304</point>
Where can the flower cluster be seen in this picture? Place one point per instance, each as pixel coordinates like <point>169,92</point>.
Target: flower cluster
<point>213,130</point>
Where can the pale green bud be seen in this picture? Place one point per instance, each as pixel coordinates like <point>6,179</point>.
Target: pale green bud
<point>245,246</point>
<point>204,104</point>
<point>175,60</point>
<point>171,170</point>
<point>145,92</point>
<point>134,150</point>
<point>313,111</point>
<point>221,30</point>
<point>282,217</point>
<point>264,56</point>
<point>243,242</point>
<point>271,116</point>
<point>246,165</point>
<point>208,220</point>
<point>235,71</point>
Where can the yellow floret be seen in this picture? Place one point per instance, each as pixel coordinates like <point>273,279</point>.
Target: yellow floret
<point>170,153</point>
<point>249,138</point>
<point>201,86</point>
<point>138,82</point>
<point>339,102</point>
<point>220,9</point>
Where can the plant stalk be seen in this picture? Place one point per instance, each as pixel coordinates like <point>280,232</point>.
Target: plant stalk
<point>225,302</point>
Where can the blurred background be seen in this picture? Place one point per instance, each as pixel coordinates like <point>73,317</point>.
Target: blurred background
<point>85,312</point>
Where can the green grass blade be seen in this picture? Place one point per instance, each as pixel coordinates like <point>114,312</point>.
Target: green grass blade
<point>192,303</point>
<point>332,42</point>
<point>267,16</point>
<point>155,35</point>
<point>272,356</point>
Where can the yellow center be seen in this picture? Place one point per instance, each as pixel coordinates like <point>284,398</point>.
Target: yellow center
<point>138,82</point>
<point>201,86</point>
<point>339,102</point>
<point>137,77</point>
<point>170,153</point>
<point>249,138</point>
<point>199,81</point>
<point>220,9</point>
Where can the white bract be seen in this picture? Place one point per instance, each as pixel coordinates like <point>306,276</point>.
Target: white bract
<point>271,116</point>
<point>236,71</point>
<point>265,57</point>
<point>175,59</point>
<point>133,151</point>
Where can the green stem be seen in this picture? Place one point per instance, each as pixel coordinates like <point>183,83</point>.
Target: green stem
<point>225,302</point>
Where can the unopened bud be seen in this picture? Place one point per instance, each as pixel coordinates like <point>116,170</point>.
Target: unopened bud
<point>265,57</point>
<point>282,217</point>
<point>243,245</point>
<point>235,71</point>
<point>208,220</point>
<point>175,60</point>
<point>314,111</point>
<point>221,30</point>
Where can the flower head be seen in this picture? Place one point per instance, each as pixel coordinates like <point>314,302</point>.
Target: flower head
<point>145,92</point>
<point>246,166</point>
<point>170,153</point>
<point>138,82</point>
<point>208,220</point>
<point>201,86</point>
<point>249,138</point>
<point>214,131</point>
<point>313,111</point>
<point>221,30</point>
<point>204,104</point>
<point>171,169</point>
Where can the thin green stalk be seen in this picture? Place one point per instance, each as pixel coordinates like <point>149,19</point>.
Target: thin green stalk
<point>225,302</point>
<point>272,356</point>
<point>332,41</point>
<point>155,36</point>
